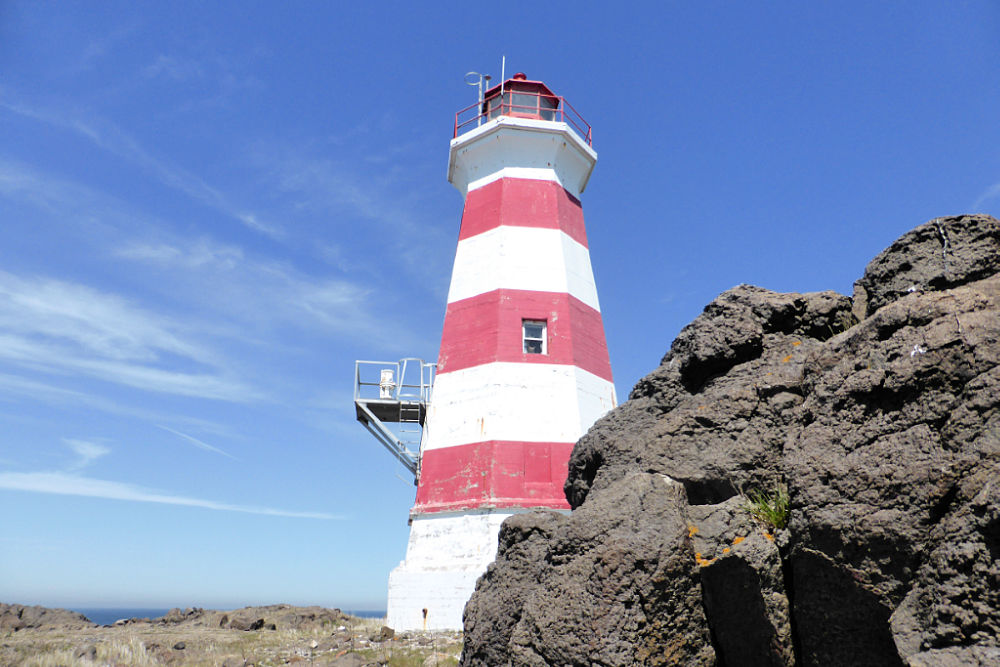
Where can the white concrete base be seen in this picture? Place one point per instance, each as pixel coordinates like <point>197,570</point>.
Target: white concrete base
<point>445,556</point>
<point>442,593</point>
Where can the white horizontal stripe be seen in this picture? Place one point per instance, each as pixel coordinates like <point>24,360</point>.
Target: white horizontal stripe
<point>533,173</point>
<point>524,258</point>
<point>466,540</point>
<point>515,401</point>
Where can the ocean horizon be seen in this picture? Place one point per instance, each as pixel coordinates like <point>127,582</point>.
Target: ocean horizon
<point>108,615</point>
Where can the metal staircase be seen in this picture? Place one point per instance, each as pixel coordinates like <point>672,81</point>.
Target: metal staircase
<point>391,392</point>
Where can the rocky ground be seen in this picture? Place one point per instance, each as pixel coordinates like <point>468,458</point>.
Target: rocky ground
<point>258,636</point>
<point>878,415</point>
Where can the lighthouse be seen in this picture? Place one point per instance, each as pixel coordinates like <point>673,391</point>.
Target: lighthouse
<point>523,369</point>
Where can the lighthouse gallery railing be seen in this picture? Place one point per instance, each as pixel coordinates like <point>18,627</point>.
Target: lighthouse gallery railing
<point>529,105</point>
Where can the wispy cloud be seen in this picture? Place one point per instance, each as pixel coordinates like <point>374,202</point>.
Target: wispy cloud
<point>163,380</point>
<point>109,137</point>
<point>104,218</point>
<point>324,185</point>
<point>200,254</point>
<point>67,484</point>
<point>19,389</point>
<point>206,80</point>
<point>66,327</point>
<point>174,68</point>
<point>65,202</point>
<point>100,323</point>
<point>86,451</point>
<point>100,47</point>
<point>196,442</point>
<point>268,292</point>
<point>991,192</point>
<point>387,205</point>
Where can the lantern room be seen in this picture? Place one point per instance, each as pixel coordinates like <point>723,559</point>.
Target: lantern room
<point>520,98</point>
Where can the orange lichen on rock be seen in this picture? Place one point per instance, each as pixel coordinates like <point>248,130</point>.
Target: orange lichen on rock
<point>692,530</point>
<point>786,359</point>
<point>738,539</point>
<point>769,536</point>
<point>796,343</point>
<point>725,550</point>
<point>702,561</point>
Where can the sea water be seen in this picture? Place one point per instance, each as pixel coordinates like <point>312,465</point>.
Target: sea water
<point>365,613</point>
<point>108,615</point>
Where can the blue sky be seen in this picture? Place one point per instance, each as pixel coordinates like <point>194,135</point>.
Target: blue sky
<point>208,211</point>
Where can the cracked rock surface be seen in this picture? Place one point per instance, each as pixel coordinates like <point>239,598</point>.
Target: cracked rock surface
<point>880,415</point>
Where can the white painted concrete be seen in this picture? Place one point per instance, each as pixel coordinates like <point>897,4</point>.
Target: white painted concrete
<point>445,556</point>
<point>525,143</point>
<point>525,258</point>
<point>443,593</point>
<point>458,540</point>
<point>531,173</point>
<point>515,401</point>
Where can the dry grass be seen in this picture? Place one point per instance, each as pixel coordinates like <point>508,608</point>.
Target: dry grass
<point>152,644</point>
<point>53,651</point>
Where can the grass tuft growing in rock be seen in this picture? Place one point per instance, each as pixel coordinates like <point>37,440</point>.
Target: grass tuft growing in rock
<point>770,509</point>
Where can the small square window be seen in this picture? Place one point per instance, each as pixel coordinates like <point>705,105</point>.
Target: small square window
<point>534,336</point>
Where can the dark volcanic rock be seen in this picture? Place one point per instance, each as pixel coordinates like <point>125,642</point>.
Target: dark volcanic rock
<point>617,585</point>
<point>175,616</point>
<point>502,591</point>
<point>714,414</point>
<point>875,465</point>
<point>939,254</point>
<point>956,595</point>
<point>270,617</point>
<point>973,656</point>
<point>14,617</point>
<point>745,598</point>
<point>245,624</point>
<point>882,419</point>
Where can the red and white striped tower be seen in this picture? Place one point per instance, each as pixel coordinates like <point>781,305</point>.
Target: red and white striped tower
<point>523,369</point>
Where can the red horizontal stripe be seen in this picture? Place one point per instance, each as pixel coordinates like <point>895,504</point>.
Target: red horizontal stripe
<point>493,474</point>
<point>523,202</point>
<point>487,328</point>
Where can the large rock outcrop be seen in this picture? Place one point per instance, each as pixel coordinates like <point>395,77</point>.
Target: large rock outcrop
<point>15,617</point>
<point>880,416</point>
<point>596,587</point>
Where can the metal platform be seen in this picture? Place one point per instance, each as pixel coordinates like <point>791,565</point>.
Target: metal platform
<point>387,410</point>
<point>395,392</point>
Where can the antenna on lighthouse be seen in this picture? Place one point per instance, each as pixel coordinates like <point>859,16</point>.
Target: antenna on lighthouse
<point>477,79</point>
